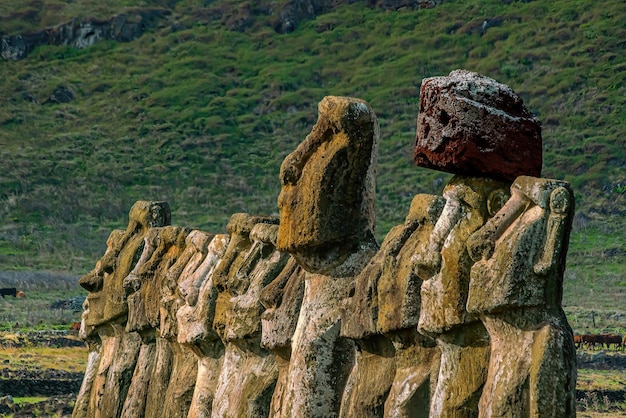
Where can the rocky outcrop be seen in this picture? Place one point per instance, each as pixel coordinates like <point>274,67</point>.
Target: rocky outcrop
<point>284,16</point>
<point>457,314</point>
<point>81,33</point>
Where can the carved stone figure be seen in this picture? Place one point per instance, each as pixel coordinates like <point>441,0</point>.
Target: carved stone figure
<point>282,299</point>
<point>457,314</point>
<point>249,372</point>
<point>396,368</point>
<point>108,310</point>
<point>516,288</point>
<point>327,220</point>
<point>480,130</point>
<point>94,345</point>
<point>162,248</point>
<point>195,321</point>
<point>444,265</point>
<point>107,298</point>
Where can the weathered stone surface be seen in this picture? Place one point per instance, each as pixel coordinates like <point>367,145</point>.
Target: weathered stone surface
<point>94,344</point>
<point>282,299</point>
<point>120,372</point>
<point>135,402</point>
<point>444,264</point>
<point>327,220</point>
<point>107,298</point>
<point>387,300</point>
<point>458,314</point>
<point>472,125</point>
<point>516,287</point>
<point>195,319</point>
<point>249,372</point>
<point>162,247</point>
<point>327,200</point>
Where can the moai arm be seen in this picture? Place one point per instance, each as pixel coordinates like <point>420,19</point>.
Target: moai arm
<point>559,208</point>
<point>431,262</point>
<point>132,282</point>
<point>481,244</point>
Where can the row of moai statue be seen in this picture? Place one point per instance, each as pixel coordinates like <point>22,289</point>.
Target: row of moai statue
<point>456,314</point>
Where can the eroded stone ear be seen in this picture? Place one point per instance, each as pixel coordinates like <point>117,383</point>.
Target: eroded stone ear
<point>496,200</point>
<point>560,200</point>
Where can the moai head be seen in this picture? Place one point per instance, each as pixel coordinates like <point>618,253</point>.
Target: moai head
<point>191,265</point>
<point>480,130</point>
<point>520,253</point>
<point>162,247</point>
<point>282,299</point>
<point>94,280</point>
<point>195,316</point>
<point>143,216</point>
<point>444,264</point>
<point>328,187</point>
<point>251,262</point>
<point>185,269</point>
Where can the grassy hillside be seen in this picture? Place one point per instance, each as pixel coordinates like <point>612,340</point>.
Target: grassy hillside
<point>202,116</point>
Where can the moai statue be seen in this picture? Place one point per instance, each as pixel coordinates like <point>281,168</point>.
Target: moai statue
<point>195,321</point>
<point>153,374</point>
<point>396,368</point>
<point>180,389</point>
<point>108,309</point>
<point>327,221</point>
<point>249,372</point>
<point>94,380</point>
<point>516,288</point>
<point>94,345</point>
<point>480,130</point>
<point>461,337</point>
<point>282,299</point>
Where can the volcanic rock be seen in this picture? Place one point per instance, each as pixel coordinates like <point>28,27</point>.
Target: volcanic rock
<point>472,125</point>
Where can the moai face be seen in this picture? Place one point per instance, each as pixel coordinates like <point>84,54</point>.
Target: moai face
<point>520,252</point>
<point>192,275</point>
<point>162,247</point>
<point>94,280</point>
<point>236,272</point>
<point>143,215</point>
<point>328,186</point>
<point>445,263</point>
<point>171,300</point>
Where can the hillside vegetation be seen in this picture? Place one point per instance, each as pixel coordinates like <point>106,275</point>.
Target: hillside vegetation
<point>201,116</point>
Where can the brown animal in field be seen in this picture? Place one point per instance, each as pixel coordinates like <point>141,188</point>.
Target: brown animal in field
<point>20,294</point>
<point>613,339</point>
<point>75,326</point>
<point>578,341</point>
<point>591,340</point>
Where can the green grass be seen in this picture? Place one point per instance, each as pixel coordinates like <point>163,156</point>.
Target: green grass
<point>202,117</point>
